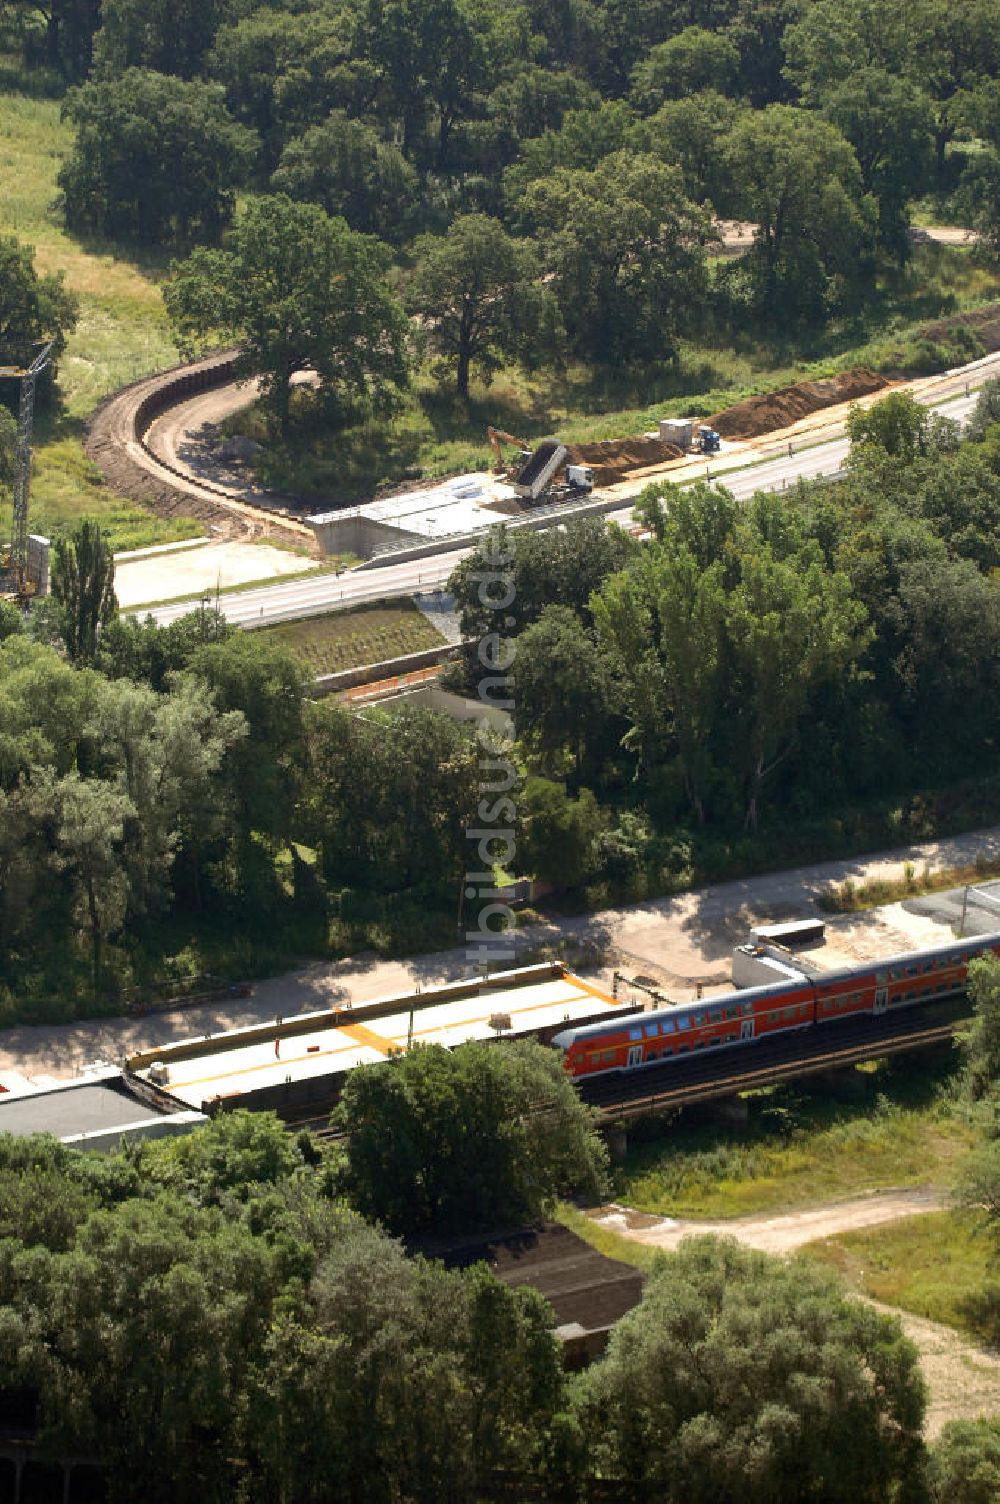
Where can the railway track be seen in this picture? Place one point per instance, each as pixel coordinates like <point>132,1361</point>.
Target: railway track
<point>771,1062</point>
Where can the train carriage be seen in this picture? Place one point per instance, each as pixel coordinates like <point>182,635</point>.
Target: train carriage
<point>630,1041</point>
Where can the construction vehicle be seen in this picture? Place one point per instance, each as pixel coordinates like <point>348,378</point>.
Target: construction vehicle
<point>533,473</point>
<point>497,436</point>
<point>14,561</point>
<point>687,438</point>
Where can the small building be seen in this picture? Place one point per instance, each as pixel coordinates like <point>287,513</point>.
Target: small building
<point>96,1111</point>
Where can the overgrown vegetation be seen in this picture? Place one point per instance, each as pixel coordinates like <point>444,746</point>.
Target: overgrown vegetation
<point>346,639</point>
<point>209,1315</point>
<point>903,1125</point>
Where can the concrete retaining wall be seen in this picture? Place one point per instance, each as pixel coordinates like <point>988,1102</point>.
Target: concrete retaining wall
<point>389,668</point>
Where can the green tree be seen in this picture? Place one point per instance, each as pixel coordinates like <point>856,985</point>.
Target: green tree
<point>459,1374</point>
<point>965,1463</point>
<point>563,691</point>
<point>83,584</point>
<point>556,835</point>
<point>477,293</point>
<point>283,76</point>
<point>986,412</point>
<point>298,291</point>
<point>798,179</point>
<point>625,251</point>
<point>264,683</point>
<point>693,60</point>
<point>89,835</point>
<point>430,60</point>
<point>740,1376</point>
<point>722,632</point>
<point>344,166</point>
<point>161,35</point>
<point>363,770</point>
<point>479,1136</point>
<point>58,33</point>
<point>560,567</point>
<point>33,310</point>
<point>981,1042</point>
<point>896,430</point>
<point>154,159</point>
<point>687,133</point>
<point>890,124</point>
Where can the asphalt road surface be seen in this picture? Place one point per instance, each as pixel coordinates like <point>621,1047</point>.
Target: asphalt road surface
<point>321,593</point>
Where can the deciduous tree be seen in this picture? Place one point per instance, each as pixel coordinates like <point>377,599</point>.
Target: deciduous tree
<point>299,291</point>
<point>83,584</point>
<point>478,295</point>
<point>740,1376</point>
<point>154,159</point>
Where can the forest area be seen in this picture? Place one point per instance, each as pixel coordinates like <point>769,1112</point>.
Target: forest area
<point>454,213</point>
<point>810,675</point>
<point>519,204</point>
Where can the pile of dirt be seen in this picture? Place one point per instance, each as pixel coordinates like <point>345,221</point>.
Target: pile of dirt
<point>612,459</point>
<point>984,322</point>
<point>757,415</point>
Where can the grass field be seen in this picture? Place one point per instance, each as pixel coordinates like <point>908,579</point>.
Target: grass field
<point>348,639</point>
<point>936,1265</point>
<point>801,1149</point>
<point>122,331</point>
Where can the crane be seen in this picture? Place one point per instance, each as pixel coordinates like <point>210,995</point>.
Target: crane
<point>17,564</point>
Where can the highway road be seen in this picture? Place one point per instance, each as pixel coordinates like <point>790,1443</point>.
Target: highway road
<point>953,394</point>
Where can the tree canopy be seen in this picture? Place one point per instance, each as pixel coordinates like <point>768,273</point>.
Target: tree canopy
<point>475,1137</point>
<point>300,292</point>
<point>155,159</point>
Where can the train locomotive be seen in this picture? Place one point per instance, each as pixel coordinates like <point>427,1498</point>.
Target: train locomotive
<point>735,1019</point>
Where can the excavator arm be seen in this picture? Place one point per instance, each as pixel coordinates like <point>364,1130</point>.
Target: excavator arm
<point>497,436</point>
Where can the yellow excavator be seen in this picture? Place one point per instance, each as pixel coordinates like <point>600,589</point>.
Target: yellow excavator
<point>498,436</point>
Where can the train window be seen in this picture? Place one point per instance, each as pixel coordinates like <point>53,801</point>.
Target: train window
<point>747,1010</point>
<point>667,1026</point>
<point>635,1033</point>
<point>651,1031</point>
<point>683,1049</point>
<point>788,1013</point>
<point>730,1038</point>
<point>651,1055</point>
<point>732,1013</point>
<point>699,1044</point>
<point>804,1011</point>
<point>716,1040</point>
<point>699,1020</point>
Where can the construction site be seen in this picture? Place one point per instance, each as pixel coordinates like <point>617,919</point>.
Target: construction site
<point>528,480</point>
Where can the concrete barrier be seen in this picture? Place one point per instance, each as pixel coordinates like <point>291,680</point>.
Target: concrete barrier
<point>389,668</point>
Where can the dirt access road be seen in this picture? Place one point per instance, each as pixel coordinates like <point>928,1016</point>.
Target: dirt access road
<point>680,941</point>
<point>963,1379</point>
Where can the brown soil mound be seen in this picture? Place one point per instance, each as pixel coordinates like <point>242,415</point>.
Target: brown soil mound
<point>759,415</point>
<point>612,459</point>
<point>985,321</point>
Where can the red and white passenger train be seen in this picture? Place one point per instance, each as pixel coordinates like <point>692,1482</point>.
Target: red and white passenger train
<point>738,1018</point>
